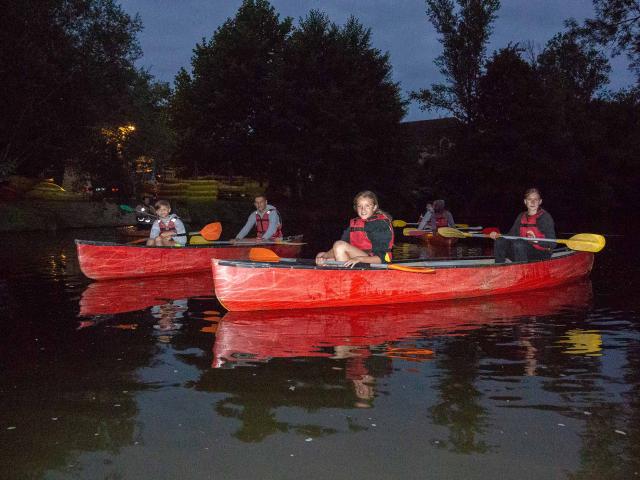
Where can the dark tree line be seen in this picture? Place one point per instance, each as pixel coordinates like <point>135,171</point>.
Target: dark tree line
<point>536,118</point>
<point>67,74</point>
<point>311,108</point>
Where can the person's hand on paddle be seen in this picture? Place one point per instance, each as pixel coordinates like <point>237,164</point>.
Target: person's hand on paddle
<point>168,234</point>
<point>494,235</point>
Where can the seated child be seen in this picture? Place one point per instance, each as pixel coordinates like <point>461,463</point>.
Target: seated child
<point>168,230</point>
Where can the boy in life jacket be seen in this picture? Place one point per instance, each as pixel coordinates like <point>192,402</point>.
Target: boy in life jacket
<point>441,217</point>
<point>168,230</point>
<point>369,238</point>
<point>534,223</point>
<point>266,220</point>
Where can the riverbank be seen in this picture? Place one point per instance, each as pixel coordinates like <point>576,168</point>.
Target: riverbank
<point>46,215</point>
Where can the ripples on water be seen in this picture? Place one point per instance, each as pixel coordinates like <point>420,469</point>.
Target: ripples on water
<point>152,379</point>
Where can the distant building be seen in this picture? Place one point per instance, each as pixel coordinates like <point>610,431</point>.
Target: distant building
<point>431,138</point>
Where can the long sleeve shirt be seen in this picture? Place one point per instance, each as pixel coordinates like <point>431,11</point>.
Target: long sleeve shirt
<point>179,226</point>
<point>274,221</point>
<point>425,221</point>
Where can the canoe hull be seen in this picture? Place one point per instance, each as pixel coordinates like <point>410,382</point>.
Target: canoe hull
<point>246,286</point>
<point>437,240</point>
<point>105,261</point>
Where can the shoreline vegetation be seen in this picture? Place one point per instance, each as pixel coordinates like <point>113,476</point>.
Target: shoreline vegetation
<point>26,215</point>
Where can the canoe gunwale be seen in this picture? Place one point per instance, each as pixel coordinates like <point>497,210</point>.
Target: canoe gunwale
<point>307,264</point>
<point>292,240</point>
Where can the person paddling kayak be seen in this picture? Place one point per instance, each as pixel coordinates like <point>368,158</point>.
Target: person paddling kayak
<point>266,219</point>
<point>534,223</point>
<point>369,237</point>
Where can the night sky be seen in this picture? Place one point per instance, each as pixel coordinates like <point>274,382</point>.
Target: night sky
<point>400,27</point>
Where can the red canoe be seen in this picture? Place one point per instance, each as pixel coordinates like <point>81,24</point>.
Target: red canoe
<point>246,286</point>
<point>106,260</point>
<point>437,240</point>
<point>130,294</point>
<point>261,336</point>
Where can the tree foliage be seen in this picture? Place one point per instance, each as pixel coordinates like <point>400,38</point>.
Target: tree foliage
<point>67,72</point>
<point>219,109</point>
<point>617,23</point>
<point>464,35</point>
<point>306,107</point>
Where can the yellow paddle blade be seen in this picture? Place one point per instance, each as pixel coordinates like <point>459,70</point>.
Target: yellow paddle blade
<point>212,231</point>
<point>462,225</point>
<point>414,232</point>
<point>452,233</point>
<point>585,242</point>
<point>399,223</point>
<point>260,254</point>
<point>198,240</point>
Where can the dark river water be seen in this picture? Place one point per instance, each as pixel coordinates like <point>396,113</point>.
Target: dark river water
<point>152,379</point>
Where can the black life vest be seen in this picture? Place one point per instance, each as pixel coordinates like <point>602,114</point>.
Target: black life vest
<point>358,237</point>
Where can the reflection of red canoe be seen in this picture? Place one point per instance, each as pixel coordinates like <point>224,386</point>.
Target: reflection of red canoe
<point>104,260</point>
<point>302,333</point>
<point>258,286</point>
<point>118,296</point>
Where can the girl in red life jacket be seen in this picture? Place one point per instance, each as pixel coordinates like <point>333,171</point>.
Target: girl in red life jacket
<point>369,238</point>
<point>534,223</point>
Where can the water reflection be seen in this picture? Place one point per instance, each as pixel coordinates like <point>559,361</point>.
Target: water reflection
<point>119,296</point>
<point>542,385</point>
<point>357,350</point>
<point>263,335</point>
<point>168,318</point>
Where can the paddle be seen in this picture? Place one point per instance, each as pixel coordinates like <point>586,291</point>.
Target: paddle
<point>402,223</point>
<point>247,242</point>
<point>583,242</point>
<point>414,232</point>
<point>259,254</point>
<point>127,208</point>
<point>211,231</point>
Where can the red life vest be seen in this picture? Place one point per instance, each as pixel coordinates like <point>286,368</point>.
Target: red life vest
<point>441,220</point>
<point>530,224</point>
<point>358,237</point>
<point>262,224</point>
<point>170,226</point>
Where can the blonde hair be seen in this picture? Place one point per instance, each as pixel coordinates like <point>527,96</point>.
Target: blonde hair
<point>374,198</point>
<point>366,194</point>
